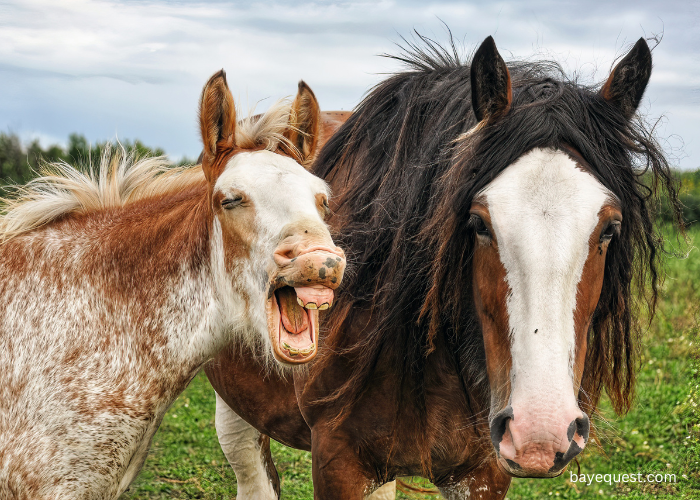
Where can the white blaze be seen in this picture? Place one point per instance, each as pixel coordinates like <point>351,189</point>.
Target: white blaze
<point>543,210</point>
<point>281,190</point>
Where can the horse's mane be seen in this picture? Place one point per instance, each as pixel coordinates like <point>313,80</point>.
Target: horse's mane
<point>411,162</point>
<point>122,178</point>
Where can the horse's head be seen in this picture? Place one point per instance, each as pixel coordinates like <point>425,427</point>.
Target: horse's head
<point>269,215</point>
<point>542,230</point>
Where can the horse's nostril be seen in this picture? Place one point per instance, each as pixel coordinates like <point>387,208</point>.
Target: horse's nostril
<point>498,426</point>
<point>583,427</point>
<point>580,426</point>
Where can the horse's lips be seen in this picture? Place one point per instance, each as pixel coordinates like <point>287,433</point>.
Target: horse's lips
<point>320,296</point>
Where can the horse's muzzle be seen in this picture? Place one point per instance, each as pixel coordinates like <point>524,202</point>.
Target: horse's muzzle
<point>538,444</point>
<point>303,286</point>
<point>318,265</point>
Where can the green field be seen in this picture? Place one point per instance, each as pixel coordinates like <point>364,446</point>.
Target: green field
<point>660,435</point>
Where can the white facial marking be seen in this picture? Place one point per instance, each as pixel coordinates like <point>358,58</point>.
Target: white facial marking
<point>260,174</point>
<point>543,210</point>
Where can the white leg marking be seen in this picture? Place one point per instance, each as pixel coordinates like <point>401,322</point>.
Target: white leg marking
<point>385,492</point>
<point>241,445</point>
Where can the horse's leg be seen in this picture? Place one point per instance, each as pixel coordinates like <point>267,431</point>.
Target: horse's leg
<point>487,482</point>
<point>248,452</point>
<point>386,492</point>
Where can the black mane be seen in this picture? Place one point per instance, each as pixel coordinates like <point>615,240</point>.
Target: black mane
<point>411,171</point>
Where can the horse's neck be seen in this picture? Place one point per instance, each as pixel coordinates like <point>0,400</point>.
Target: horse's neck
<point>140,274</point>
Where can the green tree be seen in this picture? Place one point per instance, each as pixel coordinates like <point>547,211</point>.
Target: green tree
<point>19,163</point>
<point>13,168</point>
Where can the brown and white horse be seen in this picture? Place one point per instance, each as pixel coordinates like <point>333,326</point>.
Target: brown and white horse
<point>117,287</point>
<point>496,219</point>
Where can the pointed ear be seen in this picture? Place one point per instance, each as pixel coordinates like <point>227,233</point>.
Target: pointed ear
<point>491,88</point>
<point>217,118</point>
<point>627,82</point>
<point>304,123</point>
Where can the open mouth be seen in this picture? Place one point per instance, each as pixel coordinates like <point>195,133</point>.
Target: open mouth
<point>293,321</point>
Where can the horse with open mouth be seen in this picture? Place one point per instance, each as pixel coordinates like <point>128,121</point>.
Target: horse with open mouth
<point>497,219</point>
<point>117,286</point>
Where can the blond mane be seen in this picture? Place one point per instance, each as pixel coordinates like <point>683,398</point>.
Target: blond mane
<point>121,178</point>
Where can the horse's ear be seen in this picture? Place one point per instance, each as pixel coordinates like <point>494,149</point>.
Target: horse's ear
<point>304,124</point>
<point>217,119</point>
<point>627,82</point>
<point>490,79</point>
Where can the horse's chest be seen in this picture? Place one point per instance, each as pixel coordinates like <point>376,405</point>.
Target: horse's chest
<point>447,427</point>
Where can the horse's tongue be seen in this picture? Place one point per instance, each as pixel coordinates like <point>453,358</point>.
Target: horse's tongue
<point>294,317</point>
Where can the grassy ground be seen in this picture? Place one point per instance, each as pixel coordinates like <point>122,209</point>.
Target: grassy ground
<point>660,435</point>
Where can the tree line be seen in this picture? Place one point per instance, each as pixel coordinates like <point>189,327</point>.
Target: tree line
<point>20,162</point>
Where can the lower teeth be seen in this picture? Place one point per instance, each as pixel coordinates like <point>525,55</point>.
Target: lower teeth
<point>295,352</point>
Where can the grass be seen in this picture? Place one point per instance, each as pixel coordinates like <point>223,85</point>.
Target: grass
<point>185,460</point>
<point>661,434</point>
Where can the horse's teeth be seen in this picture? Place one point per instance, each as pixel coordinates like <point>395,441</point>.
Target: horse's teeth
<point>299,301</point>
<point>311,305</point>
<point>308,350</point>
<point>323,306</point>
<point>295,352</point>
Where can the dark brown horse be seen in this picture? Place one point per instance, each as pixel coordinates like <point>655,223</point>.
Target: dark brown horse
<point>495,220</point>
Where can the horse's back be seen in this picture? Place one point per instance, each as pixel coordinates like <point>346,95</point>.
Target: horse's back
<point>331,121</point>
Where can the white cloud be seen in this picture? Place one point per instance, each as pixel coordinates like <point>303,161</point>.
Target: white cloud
<point>136,68</point>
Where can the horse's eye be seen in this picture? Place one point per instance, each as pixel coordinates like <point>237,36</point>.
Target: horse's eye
<point>612,229</point>
<point>479,226</point>
<point>229,203</point>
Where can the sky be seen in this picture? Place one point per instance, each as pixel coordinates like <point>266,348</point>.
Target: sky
<point>135,69</point>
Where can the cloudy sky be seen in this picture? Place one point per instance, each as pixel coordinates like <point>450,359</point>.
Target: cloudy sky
<point>134,69</point>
